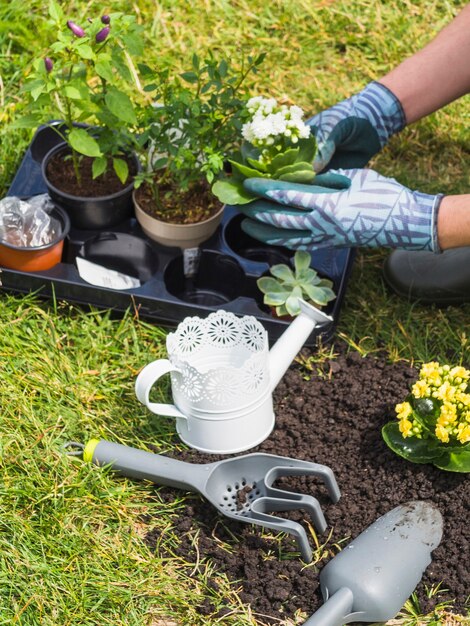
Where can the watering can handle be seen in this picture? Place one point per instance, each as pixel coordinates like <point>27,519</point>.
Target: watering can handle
<point>146,380</point>
<point>335,610</point>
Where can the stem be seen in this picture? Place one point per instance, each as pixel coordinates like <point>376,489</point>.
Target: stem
<point>75,160</point>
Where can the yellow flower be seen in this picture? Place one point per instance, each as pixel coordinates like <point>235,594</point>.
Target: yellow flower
<point>421,389</point>
<point>441,433</point>
<point>403,410</point>
<point>446,392</point>
<point>448,414</point>
<point>463,433</point>
<point>405,427</point>
<point>459,372</point>
<point>434,378</point>
<point>429,368</point>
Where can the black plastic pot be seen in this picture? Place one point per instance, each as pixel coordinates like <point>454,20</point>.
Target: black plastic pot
<point>91,213</point>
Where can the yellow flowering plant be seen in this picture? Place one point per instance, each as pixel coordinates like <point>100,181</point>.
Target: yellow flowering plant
<point>433,423</point>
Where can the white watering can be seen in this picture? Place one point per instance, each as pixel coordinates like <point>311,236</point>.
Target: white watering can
<point>223,375</point>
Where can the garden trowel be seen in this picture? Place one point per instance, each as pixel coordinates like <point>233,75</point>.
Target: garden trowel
<point>374,575</point>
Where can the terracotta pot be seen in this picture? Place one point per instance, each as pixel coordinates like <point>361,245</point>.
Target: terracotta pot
<point>38,258</point>
<point>91,213</point>
<point>179,235</point>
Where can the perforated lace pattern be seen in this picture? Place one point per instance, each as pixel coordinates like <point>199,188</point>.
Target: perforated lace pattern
<point>236,350</point>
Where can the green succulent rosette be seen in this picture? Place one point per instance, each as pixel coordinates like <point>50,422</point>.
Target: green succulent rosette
<point>433,423</point>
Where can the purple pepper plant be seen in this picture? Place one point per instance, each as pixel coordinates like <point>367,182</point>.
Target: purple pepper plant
<point>81,79</point>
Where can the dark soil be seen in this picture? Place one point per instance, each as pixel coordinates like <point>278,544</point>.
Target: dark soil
<point>190,207</point>
<point>60,172</point>
<point>335,419</point>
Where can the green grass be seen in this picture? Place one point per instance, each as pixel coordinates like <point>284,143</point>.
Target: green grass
<point>71,536</point>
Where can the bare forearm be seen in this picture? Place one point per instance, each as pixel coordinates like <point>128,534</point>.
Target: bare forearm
<point>453,222</point>
<point>437,74</point>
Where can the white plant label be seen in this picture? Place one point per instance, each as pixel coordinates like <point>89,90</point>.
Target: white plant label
<point>103,277</point>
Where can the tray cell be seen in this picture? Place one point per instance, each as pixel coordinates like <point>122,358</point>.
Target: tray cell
<point>122,253</point>
<point>219,279</point>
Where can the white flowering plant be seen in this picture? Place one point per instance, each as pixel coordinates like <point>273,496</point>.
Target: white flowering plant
<point>433,423</point>
<point>276,144</point>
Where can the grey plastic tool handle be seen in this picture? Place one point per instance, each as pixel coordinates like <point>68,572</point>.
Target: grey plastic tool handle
<point>334,611</point>
<point>156,468</point>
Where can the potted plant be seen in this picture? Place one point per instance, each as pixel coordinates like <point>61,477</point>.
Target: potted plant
<point>79,84</point>
<point>433,422</point>
<point>286,285</point>
<point>186,138</point>
<point>277,144</point>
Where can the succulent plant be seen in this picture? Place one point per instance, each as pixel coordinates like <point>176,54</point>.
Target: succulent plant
<point>286,285</point>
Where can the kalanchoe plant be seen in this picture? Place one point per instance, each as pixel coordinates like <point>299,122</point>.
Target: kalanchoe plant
<point>81,80</point>
<point>433,423</point>
<point>277,144</point>
<point>286,285</point>
<point>194,124</point>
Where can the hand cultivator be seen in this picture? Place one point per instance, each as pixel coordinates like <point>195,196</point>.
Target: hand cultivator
<point>240,488</point>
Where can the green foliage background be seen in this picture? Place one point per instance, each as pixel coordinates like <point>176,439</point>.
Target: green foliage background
<point>71,537</point>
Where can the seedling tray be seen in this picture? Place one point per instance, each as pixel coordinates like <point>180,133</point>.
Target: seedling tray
<point>230,263</point>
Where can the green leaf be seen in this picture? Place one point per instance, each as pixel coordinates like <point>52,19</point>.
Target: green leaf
<point>232,192</point>
<point>266,284</point>
<point>99,166</point>
<point>38,90</point>
<point>411,448</point>
<point>249,151</point>
<point>283,159</point>
<point>27,121</point>
<point>300,172</point>
<point>104,70</point>
<point>120,105</point>
<point>301,176</point>
<point>318,295</point>
<point>292,302</point>
<point>55,11</point>
<point>275,299</point>
<point>189,77</point>
<point>83,143</point>
<point>282,272</point>
<point>302,260</point>
<point>85,51</point>
<point>455,461</point>
<point>257,165</point>
<point>72,92</point>
<point>134,44</point>
<point>307,148</point>
<point>121,168</point>
<point>249,172</point>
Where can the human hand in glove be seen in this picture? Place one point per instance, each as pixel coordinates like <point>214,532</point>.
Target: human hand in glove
<point>351,132</point>
<point>344,208</point>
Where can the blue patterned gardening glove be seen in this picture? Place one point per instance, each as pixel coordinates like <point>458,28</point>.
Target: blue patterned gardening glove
<point>345,208</point>
<point>351,132</point>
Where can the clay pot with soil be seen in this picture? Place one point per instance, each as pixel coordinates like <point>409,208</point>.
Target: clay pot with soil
<point>184,219</point>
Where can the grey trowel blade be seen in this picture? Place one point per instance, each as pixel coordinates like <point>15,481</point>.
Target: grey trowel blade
<point>372,577</point>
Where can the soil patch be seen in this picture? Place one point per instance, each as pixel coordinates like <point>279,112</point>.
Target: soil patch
<point>335,419</point>
<point>197,204</point>
<point>61,174</point>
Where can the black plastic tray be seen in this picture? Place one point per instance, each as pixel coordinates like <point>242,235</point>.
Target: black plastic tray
<point>229,266</point>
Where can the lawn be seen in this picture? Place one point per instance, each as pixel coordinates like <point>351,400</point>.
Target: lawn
<point>72,537</point>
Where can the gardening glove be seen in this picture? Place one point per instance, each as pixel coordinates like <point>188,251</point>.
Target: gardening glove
<point>368,211</point>
<point>351,132</point>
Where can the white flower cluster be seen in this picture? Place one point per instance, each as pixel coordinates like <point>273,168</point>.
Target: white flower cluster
<point>271,122</point>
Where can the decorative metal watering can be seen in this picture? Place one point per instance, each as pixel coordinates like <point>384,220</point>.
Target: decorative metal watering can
<point>222,377</point>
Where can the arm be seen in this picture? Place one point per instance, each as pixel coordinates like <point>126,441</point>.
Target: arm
<point>437,74</point>
<point>352,131</point>
<point>453,222</point>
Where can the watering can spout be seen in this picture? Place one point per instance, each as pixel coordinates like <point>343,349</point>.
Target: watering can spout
<point>291,341</point>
